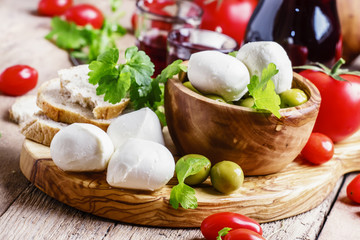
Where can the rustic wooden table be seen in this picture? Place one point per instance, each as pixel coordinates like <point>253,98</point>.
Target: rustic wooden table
<point>28,213</point>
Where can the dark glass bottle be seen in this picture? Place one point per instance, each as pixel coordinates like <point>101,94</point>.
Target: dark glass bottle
<point>309,30</point>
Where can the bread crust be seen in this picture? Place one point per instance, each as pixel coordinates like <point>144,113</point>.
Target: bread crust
<point>74,82</point>
<point>58,108</point>
<point>39,131</point>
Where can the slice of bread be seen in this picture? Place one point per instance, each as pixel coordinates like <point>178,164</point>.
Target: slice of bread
<point>60,108</point>
<point>41,129</point>
<point>74,82</point>
<point>23,109</point>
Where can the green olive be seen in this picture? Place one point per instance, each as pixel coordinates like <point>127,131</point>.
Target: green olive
<point>216,98</point>
<point>200,176</point>
<point>191,87</point>
<point>247,102</point>
<point>226,176</point>
<point>292,97</point>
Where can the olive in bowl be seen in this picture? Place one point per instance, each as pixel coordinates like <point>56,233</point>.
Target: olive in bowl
<point>258,141</point>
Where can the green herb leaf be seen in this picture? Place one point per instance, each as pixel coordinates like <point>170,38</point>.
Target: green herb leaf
<point>233,54</point>
<point>85,43</point>
<point>66,34</point>
<point>182,193</point>
<point>111,81</point>
<point>115,4</point>
<point>223,232</point>
<point>132,78</point>
<point>263,91</point>
<point>171,70</point>
<point>106,65</point>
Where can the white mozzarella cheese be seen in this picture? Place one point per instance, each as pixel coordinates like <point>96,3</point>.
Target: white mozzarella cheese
<point>81,147</point>
<point>257,56</point>
<point>213,72</point>
<point>143,124</point>
<point>140,164</point>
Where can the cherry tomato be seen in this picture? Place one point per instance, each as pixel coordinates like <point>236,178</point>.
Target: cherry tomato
<point>84,14</point>
<point>18,80</point>
<point>230,18</point>
<point>319,148</point>
<point>243,234</point>
<point>211,225</point>
<point>339,115</point>
<point>353,189</point>
<point>53,7</point>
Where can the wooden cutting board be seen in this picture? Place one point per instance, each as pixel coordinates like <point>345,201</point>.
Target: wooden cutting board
<point>298,188</point>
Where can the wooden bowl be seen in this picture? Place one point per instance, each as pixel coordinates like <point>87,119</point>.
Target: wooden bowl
<point>258,141</point>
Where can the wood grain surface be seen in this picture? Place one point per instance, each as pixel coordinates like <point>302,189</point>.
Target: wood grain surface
<point>298,188</point>
<point>28,213</point>
<point>259,142</point>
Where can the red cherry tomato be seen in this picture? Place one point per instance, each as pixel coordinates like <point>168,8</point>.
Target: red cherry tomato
<point>319,148</point>
<point>84,14</point>
<point>339,115</point>
<point>211,225</point>
<point>53,7</point>
<point>243,234</point>
<point>353,189</point>
<point>231,17</point>
<point>18,80</point>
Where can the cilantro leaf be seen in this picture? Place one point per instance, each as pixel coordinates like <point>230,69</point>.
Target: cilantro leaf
<point>263,91</point>
<point>182,193</point>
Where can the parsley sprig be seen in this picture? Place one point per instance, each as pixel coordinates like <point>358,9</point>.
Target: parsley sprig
<point>85,43</point>
<point>132,79</point>
<point>183,194</point>
<point>263,91</point>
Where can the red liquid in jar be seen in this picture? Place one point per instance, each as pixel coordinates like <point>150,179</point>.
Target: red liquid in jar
<point>184,52</point>
<point>180,45</point>
<point>309,30</point>
<point>155,47</point>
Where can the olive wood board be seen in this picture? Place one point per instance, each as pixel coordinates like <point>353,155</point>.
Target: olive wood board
<point>296,189</point>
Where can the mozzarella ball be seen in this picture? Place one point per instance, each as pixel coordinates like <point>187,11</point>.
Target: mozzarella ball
<point>140,164</point>
<point>81,147</point>
<point>257,56</point>
<point>143,124</point>
<point>213,72</point>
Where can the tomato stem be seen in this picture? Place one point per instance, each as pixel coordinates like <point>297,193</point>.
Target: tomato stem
<point>337,66</point>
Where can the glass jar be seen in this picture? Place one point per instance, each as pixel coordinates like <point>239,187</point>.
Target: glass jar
<point>154,21</point>
<point>309,30</point>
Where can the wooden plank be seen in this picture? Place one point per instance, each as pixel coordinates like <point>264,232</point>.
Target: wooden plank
<point>34,215</point>
<point>304,226</point>
<point>22,42</point>
<point>343,222</point>
<point>296,189</point>
<point>19,44</point>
